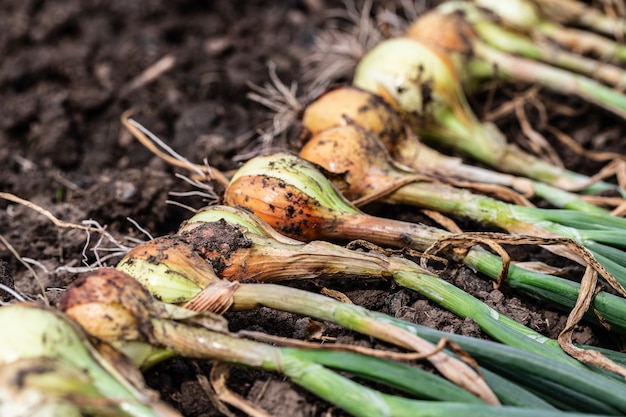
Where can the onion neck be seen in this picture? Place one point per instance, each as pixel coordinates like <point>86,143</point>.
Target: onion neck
<point>457,202</point>
<point>304,261</point>
<point>387,232</point>
<point>200,343</point>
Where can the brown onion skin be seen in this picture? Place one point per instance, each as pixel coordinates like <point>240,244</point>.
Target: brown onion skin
<point>344,104</point>
<point>283,206</point>
<point>101,285</point>
<point>357,154</point>
<point>450,32</point>
<point>104,302</point>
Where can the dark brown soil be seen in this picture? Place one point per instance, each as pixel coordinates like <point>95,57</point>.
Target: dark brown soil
<point>66,76</point>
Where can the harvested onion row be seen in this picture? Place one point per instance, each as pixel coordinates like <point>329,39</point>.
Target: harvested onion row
<point>111,306</point>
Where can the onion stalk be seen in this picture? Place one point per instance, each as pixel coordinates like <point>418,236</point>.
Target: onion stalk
<point>348,104</point>
<point>61,374</point>
<point>506,360</point>
<point>369,169</point>
<point>422,83</point>
<point>541,286</point>
<point>112,306</point>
